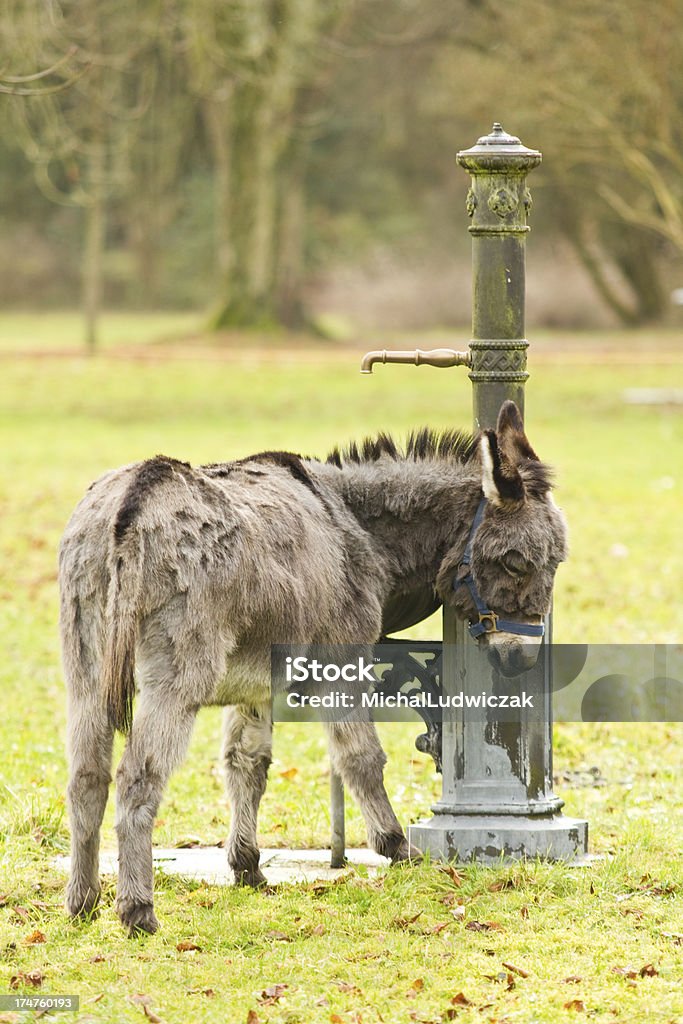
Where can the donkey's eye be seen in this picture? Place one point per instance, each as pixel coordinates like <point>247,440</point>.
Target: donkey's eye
<point>515,564</point>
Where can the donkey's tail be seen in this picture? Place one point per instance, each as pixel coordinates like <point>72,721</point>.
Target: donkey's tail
<point>118,665</point>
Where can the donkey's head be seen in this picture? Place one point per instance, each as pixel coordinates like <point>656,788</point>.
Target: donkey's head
<point>502,583</point>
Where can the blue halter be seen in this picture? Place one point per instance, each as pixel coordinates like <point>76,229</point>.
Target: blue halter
<point>488,622</point>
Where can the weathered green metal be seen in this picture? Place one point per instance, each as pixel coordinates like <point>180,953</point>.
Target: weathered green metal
<point>498,203</point>
<point>497,797</point>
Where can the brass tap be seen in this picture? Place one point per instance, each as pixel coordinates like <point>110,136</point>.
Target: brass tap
<point>435,357</point>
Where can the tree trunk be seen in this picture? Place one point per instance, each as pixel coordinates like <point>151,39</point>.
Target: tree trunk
<point>93,249</point>
<point>289,302</point>
<point>247,296</point>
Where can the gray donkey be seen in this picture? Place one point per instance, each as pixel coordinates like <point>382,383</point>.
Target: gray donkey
<point>181,578</point>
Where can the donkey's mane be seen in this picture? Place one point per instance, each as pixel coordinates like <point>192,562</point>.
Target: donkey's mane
<point>421,445</point>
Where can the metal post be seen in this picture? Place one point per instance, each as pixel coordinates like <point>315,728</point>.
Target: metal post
<point>497,795</point>
<point>338,838</point>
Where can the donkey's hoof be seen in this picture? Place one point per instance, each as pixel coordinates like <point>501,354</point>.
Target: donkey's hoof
<point>81,903</point>
<point>253,878</point>
<point>137,917</point>
<point>407,854</point>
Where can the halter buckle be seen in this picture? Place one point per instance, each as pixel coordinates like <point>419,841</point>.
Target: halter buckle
<point>489,620</point>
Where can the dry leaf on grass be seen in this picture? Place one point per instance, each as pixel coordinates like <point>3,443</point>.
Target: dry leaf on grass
<point>455,876</point>
<point>33,978</point>
<point>484,926</point>
<point>516,970</point>
<point>405,922</point>
<point>187,946</point>
<point>461,1000</point>
<point>271,995</point>
<point>35,938</point>
<point>346,986</point>
<point>575,1004</point>
<point>290,773</point>
<point>253,1017</point>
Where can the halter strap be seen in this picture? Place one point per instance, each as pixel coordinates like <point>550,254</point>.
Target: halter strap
<point>488,622</point>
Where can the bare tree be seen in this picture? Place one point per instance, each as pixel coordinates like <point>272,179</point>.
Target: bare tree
<point>78,138</point>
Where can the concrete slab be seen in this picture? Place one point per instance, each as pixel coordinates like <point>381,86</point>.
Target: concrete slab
<point>209,864</point>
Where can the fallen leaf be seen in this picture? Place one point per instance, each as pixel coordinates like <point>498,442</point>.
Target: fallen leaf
<point>32,978</point>
<point>625,972</point>
<point>322,1001</point>
<point>21,913</point>
<point>576,1005</point>
<point>573,979</point>
<point>151,1015</point>
<point>458,913</point>
<point>187,946</point>
<point>516,970</point>
<point>272,994</point>
<point>336,1019</point>
<point>503,977</point>
<point>188,843</point>
<point>99,958</point>
<point>318,930</point>
<point>484,926</point>
<point>35,938</point>
<point>290,773</point>
<point>524,912</point>
<point>416,987</point>
<point>455,876</point>
<point>346,986</point>
<point>648,971</point>
<point>676,937</point>
<point>461,1000</point>
<point>436,929</point>
<point>252,1017</point>
<point>403,922</point>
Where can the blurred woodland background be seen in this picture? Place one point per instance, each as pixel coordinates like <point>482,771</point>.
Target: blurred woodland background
<point>291,162</point>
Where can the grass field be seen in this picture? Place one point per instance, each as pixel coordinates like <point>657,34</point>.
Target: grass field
<point>352,951</point>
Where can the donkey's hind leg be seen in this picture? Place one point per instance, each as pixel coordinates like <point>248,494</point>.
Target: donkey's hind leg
<point>90,738</point>
<point>246,754</point>
<point>357,755</point>
<point>157,743</point>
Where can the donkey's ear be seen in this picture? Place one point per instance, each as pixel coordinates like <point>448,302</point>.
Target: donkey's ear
<point>500,481</point>
<point>514,443</point>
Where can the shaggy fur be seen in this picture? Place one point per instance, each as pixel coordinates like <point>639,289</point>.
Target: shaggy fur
<point>177,580</point>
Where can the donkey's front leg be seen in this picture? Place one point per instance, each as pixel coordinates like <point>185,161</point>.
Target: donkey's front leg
<point>246,753</point>
<point>158,740</point>
<point>357,755</point>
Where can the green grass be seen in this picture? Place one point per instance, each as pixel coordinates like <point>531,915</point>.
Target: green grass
<point>346,951</point>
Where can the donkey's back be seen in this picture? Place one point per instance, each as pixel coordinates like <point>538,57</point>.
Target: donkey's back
<point>162,563</point>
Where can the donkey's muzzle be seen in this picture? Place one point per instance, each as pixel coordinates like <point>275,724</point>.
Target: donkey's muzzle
<point>512,658</point>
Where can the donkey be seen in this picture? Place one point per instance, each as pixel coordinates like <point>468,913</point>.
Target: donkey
<point>183,577</point>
